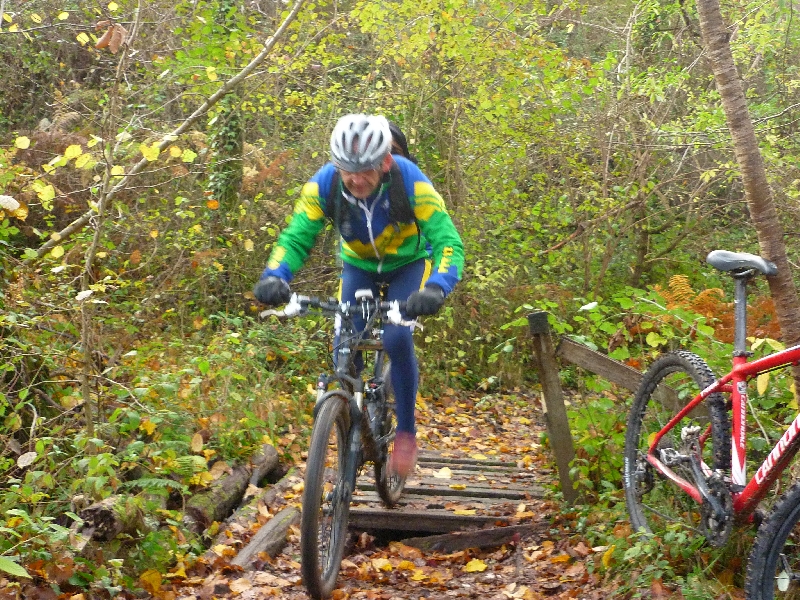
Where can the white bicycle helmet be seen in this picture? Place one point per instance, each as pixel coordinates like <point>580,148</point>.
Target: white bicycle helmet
<point>360,142</point>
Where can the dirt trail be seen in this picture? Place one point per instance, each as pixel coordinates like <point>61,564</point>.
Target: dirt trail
<point>547,561</point>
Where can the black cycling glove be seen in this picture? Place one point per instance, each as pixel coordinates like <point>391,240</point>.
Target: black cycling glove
<point>272,290</point>
<point>427,301</point>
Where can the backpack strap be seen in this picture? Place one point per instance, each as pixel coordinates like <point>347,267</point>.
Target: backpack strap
<point>400,210</point>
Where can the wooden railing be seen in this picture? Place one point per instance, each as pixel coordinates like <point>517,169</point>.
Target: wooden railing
<point>572,352</point>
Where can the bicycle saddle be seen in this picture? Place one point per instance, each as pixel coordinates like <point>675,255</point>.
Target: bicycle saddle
<point>733,261</point>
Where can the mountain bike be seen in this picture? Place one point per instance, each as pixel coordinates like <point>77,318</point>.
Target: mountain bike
<point>354,423</point>
<point>685,451</point>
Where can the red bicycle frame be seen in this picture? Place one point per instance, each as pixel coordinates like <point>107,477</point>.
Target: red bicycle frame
<point>745,497</point>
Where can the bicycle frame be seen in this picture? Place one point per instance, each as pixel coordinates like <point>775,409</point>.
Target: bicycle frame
<point>746,494</point>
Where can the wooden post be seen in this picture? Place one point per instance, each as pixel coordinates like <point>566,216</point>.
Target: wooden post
<point>555,411</point>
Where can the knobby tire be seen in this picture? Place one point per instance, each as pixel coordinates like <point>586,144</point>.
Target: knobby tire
<point>778,536</point>
<point>654,503</point>
<point>323,526</point>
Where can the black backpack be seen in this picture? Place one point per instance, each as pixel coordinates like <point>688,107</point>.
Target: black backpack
<point>400,210</point>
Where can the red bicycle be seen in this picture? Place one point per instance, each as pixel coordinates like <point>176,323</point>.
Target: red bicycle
<point>685,451</point>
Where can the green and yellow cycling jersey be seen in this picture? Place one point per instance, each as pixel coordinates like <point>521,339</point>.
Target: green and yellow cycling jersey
<point>370,239</point>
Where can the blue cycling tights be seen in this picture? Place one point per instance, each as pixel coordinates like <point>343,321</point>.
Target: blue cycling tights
<point>397,340</point>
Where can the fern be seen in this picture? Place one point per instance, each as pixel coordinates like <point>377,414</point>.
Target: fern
<point>154,484</point>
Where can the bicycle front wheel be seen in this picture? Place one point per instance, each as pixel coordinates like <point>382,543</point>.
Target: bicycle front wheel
<point>773,570</point>
<point>655,504</point>
<point>389,485</point>
<point>323,526</point>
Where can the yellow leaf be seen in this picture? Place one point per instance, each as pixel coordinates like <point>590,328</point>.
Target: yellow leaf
<point>248,245</point>
<point>479,457</point>
<point>793,402</point>
<point>57,252</point>
<point>7,17</point>
<point>464,511</point>
<point>608,556</point>
<point>36,18</point>
<point>212,204</point>
<point>188,155</point>
<point>150,152</point>
<point>82,38</point>
<point>419,575</point>
<point>762,382</point>
<point>148,427</point>
<point>154,233</point>
<point>73,151</point>
<point>63,16</point>
<point>151,580</point>
<point>444,473</point>
<point>113,6</point>
<point>524,420</point>
<point>458,486</point>
<point>475,566</point>
<point>22,142</point>
<point>560,558</point>
<point>201,479</point>
<point>84,161</point>
<point>117,170</point>
<point>211,73</point>
<point>197,443</point>
<point>406,565</point>
<point>381,564</point>
<point>174,151</point>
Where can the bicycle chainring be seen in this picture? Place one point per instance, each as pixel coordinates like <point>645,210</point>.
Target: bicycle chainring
<point>717,528</point>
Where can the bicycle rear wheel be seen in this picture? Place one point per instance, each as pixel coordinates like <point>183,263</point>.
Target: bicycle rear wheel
<point>655,504</point>
<point>773,569</point>
<point>389,485</point>
<point>323,526</point>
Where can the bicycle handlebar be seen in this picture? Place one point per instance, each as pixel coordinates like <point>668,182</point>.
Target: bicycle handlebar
<point>298,305</point>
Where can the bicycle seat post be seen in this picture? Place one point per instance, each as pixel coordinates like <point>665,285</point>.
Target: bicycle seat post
<point>740,311</point>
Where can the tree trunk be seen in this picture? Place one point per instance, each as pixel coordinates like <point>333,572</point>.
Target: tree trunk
<point>754,177</point>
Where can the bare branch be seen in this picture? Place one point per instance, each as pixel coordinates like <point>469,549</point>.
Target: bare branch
<point>167,139</point>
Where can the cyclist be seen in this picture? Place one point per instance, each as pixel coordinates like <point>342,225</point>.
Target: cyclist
<point>388,237</point>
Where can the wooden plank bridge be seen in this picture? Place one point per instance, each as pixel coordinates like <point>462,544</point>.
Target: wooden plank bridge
<point>449,493</point>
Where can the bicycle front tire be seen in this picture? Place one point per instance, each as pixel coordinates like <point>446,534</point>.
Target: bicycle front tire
<point>775,555</point>
<point>655,504</point>
<point>323,525</point>
<point>389,485</point>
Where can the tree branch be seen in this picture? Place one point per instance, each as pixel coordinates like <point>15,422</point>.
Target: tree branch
<point>81,221</point>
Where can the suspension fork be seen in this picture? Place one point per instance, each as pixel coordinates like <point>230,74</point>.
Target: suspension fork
<point>354,456</point>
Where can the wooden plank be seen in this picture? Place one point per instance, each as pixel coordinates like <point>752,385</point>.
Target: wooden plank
<point>455,467</point>
<point>436,501</point>
<point>460,460</point>
<point>555,410</point>
<point>480,538</point>
<point>612,370</point>
<point>433,520</point>
<point>510,494</point>
<point>598,363</point>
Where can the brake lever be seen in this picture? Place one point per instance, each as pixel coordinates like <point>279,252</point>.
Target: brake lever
<point>292,309</point>
<point>395,317</point>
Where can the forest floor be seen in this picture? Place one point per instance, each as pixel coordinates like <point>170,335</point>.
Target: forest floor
<point>552,562</point>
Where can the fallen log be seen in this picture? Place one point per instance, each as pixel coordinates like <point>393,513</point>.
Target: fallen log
<point>480,538</point>
<point>218,501</point>
<point>271,538</point>
<point>105,520</point>
<point>263,464</point>
<point>247,513</point>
